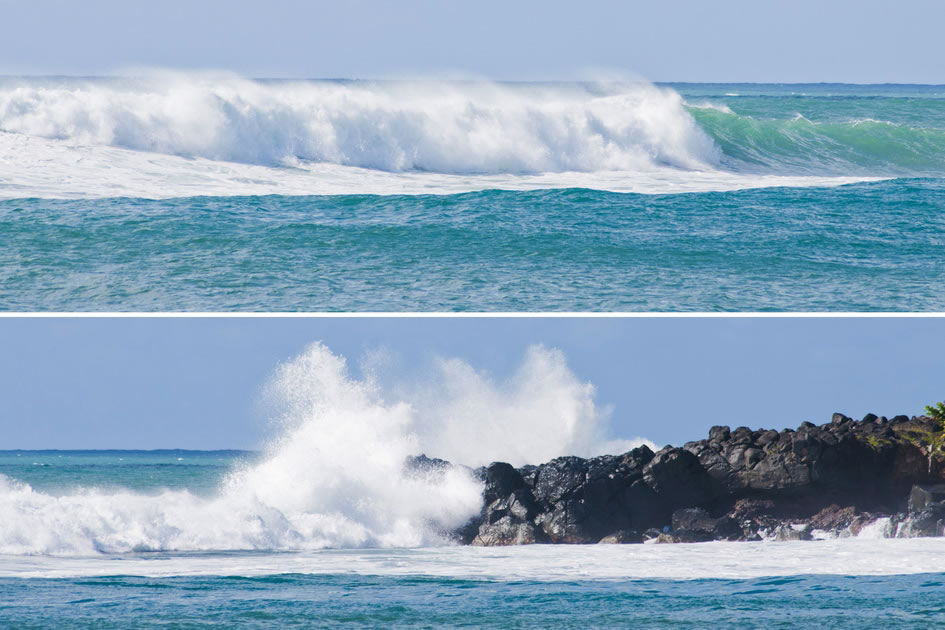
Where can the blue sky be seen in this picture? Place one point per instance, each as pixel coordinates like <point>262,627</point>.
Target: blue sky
<point>196,383</point>
<point>674,40</point>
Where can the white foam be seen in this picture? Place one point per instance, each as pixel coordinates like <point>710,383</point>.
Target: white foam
<point>726,560</point>
<point>719,107</point>
<point>178,135</point>
<point>543,411</point>
<point>334,476</point>
<point>430,126</point>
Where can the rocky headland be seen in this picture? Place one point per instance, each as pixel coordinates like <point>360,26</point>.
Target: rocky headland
<point>835,479</point>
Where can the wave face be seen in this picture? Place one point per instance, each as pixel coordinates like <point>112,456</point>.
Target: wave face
<point>435,127</point>
<point>876,130</point>
<point>336,475</point>
<point>845,147</point>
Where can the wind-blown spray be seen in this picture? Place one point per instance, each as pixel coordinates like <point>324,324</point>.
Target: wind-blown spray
<point>335,475</point>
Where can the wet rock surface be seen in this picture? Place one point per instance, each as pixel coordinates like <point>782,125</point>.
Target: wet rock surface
<point>743,484</point>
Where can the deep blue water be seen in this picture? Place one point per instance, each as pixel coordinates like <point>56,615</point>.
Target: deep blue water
<point>291,600</point>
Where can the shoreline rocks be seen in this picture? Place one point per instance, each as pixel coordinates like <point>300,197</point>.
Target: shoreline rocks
<point>829,480</point>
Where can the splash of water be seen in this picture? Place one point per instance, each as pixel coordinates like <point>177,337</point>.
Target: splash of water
<point>335,475</point>
<point>543,411</point>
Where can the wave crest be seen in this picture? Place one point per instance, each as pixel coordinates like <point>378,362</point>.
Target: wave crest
<point>442,127</point>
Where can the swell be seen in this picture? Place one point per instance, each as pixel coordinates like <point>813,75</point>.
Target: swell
<point>798,145</point>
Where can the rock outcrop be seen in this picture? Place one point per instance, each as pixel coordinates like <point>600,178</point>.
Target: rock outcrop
<point>740,484</point>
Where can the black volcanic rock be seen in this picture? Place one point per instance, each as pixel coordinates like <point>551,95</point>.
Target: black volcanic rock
<point>833,518</point>
<point>921,496</point>
<point>508,531</point>
<point>743,484</point>
<point>585,500</point>
<point>501,479</point>
<point>861,463</point>
<point>622,537</point>
<point>696,523</point>
<point>419,465</point>
<point>930,521</point>
<point>787,532</point>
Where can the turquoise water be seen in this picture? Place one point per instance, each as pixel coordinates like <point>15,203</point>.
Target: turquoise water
<point>64,472</point>
<point>824,128</point>
<point>104,494</point>
<point>862,247</point>
<point>291,600</point>
<point>800,245</point>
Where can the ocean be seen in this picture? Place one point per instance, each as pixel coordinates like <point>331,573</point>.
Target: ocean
<point>198,192</point>
<point>173,538</point>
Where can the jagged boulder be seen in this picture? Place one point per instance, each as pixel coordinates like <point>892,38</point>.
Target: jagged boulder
<point>584,500</point>
<point>508,530</point>
<point>928,522</point>
<point>677,480</point>
<point>868,463</point>
<point>789,532</point>
<point>695,524</point>
<point>508,512</point>
<point>500,480</point>
<point>833,518</point>
<point>622,537</point>
<point>422,466</point>
<point>921,496</point>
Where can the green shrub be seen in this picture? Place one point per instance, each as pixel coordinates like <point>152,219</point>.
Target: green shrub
<point>877,443</point>
<point>937,413</point>
<point>931,441</point>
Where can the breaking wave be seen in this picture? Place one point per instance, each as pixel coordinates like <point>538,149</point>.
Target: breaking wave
<point>336,474</point>
<point>175,134</point>
<point>441,127</point>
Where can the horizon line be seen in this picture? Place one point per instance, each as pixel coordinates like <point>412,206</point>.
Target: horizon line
<point>431,79</point>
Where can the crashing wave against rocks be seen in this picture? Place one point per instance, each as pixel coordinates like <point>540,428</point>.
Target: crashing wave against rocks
<point>846,478</point>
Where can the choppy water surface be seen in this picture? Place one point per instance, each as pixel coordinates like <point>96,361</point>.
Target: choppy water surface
<point>291,600</point>
<point>862,247</point>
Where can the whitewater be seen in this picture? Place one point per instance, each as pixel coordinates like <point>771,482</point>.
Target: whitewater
<point>172,134</point>
<point>204,192</point>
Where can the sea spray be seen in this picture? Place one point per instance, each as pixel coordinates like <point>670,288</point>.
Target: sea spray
<point>335,474</point>
<point>338,468</point>
<point>542,411</point>
<point>429,126</point>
